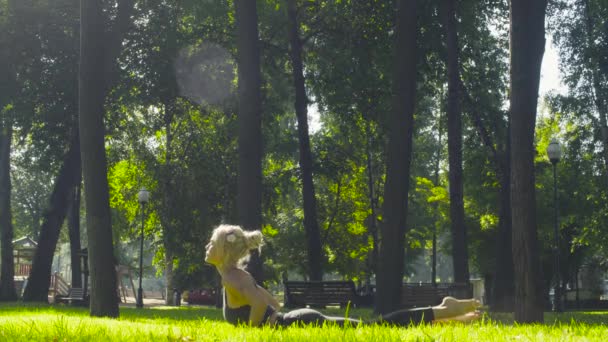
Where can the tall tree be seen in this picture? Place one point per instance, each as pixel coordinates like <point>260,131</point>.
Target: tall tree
<point>390,267</point>
<point>8,92</point>
<point>74,229</point>
<point>527,44</point>
<point>40,277</point>
<point>249,183</point>
<point>97,73</point>
<point>504,275</point>
<point>481,61</point>
<point>168,22</point>
<point>500,281</point>
<point>7,273</point>
<point>311,225</point>
<point>91,97</point>
<point>459,232</point>
<point>61,30</point>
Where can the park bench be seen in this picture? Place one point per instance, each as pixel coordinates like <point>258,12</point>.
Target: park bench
<point>420,295</point>
<point>456,290</point>
<point>319,293</point>
<point>428,294</point>
<point>76,295</point>
<point>201,297</point>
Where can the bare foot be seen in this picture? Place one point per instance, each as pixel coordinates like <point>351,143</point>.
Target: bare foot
<point>451,308</point>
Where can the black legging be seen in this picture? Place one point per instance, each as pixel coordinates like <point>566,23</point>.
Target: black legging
<point>398,318</point>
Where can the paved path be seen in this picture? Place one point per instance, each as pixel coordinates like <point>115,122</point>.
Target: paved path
<point>147,302</point>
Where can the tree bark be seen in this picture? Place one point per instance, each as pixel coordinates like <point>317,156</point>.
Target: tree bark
<point>503,286</point>
<point>169,300</point>
<point>74,231</point>
<point>311,225</point>
<point>527,43</point>
<point>460,257</point>
<point>92,91</point>
<point>40,277</point>
<point>249,183</point>
<point>372,223</point>
<point>393,228</point>
<point>8,91</point>
<point>7,271</point>
<point>436,205</point>
<point>169,203</point>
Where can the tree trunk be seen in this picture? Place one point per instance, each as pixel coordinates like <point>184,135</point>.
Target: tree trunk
<point>169,202</point>
<point>7,272</point>
<point>311,225</point>
<point>393,228</point>
<point>435,205</point>
<point>460,257</point>
<point>503,290</point>
<point>92,86</point>
<point>170,281</point>
<point>74,231</point>
<point>372,224</point>
<point>8,91</point>
<point>40,277</point>
<point>527,43</point>
<point>249,183</point>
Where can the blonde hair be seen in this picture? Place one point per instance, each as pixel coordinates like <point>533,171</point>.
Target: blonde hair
<point>234,243</point>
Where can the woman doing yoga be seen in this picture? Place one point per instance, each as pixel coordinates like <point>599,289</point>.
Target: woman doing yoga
<point>248,303</point>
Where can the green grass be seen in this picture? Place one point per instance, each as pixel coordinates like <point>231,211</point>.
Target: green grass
<point>25,322</point>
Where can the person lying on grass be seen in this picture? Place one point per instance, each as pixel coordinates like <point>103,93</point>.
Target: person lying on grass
<point>248,303</point>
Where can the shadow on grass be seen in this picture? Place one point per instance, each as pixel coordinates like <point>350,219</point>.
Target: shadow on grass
<point>568,317</point>
<point>181,313</point>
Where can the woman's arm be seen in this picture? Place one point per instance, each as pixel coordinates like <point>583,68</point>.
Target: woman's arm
<point>270,298</point>
<point>255,298</point>
<point>243,290</point>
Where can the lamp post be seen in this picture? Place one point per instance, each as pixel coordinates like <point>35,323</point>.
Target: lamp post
<point>143,197</point>
<point>555,152</point>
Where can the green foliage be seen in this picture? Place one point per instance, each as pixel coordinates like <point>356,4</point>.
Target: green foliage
<point>38,83</point>
<point>580,181</point>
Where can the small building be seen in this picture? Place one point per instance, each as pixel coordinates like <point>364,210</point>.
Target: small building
<point>23,255</point>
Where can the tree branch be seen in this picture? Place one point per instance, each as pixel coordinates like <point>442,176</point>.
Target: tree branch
<point>476,117</point>
<point>115,38</point>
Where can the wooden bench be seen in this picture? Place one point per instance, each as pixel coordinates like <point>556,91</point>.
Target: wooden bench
<point>420,295</point>
<point>427,294</point>
<point>319,293</point>
<point>456,290</point>
<point>76,295</point>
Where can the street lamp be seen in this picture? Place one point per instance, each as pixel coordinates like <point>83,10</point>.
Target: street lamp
<point>555,153</point>
<point>143,197</point>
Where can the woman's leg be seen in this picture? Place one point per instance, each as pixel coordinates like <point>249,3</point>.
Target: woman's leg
<point>450,309</point>
<point>310,316</point>
<point>407,317</point>
<point>401,318</point>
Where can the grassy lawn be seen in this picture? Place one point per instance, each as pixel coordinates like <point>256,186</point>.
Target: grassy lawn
<point>23,322</point>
